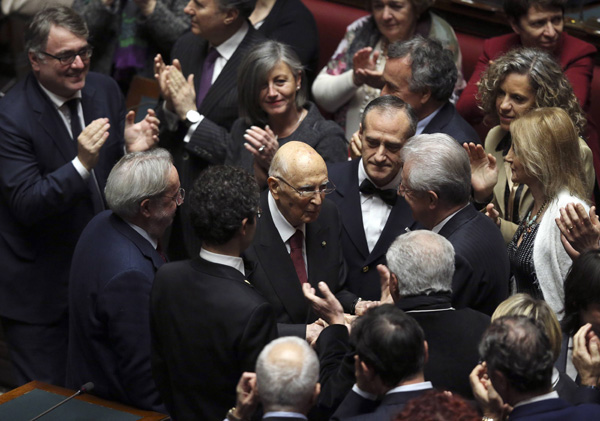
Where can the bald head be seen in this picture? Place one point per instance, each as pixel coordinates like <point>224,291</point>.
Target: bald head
<point>287,371</point>
<point>296,171</point>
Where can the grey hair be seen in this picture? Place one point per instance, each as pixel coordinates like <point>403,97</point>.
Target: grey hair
<point>438,163</point>
<point>254,72</point>
<point>245,7</point>
<point>137,176</point>
<point>432,66</point>
<point>391,105</point>
<point>423,262</point>
<point>36,36</point>
<point>285,386</point>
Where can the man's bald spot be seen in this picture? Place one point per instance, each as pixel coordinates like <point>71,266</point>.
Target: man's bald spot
<point>287,354</point>
<point>296,158</point>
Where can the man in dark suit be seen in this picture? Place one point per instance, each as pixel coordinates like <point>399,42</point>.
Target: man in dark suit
<point>112,271</point>
<point>298,239</point>
<point>436,183</point>
<point>421,264</point>
<point>208,322</point>
<point>285,382</point>
<point>422,73</point>
<point>372,213</point>
<point>390,354</point>
<point>517,371</point>
<point>202,84</point>
<point>52,174</point>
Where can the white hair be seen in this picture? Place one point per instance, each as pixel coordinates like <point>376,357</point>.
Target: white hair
<point>423,262</point>
<point>283,385</point>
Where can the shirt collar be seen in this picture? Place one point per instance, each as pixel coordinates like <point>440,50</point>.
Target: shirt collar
<point>423,123</point>
<point>362,175</point>
<point>221,259</point>
<point>411,387</point>
<point>58,100</point>
<point>227,48</point>
<point>284,228</point>
<point>144,234</point>
<point>545,396</point>
<point>282,414</point>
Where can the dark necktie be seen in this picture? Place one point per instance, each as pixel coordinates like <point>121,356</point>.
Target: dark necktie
<point>389,196</point>
<point>296,242</point>
<point>97,200</point>
<point>75,123</point>
<point>208,68</point>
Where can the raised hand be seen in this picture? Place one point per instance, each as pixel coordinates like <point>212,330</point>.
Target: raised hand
<point>365,68</point>
<point>143,135</point>
<point>579,230</point>
<point>262,144</point>
<point>484,171</point>
<point>90,141</point>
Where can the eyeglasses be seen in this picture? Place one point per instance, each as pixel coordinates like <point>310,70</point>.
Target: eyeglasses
<point>325,188</point>
<point>403,190</point>
<point>67,59</point>
<point>178,198</point>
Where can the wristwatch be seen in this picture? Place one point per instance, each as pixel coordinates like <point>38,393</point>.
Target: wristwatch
<point>192,117</point>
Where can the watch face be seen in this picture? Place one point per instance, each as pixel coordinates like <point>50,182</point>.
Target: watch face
<point>192,116</point>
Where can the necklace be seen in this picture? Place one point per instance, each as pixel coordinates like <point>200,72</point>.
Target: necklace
<point>527,223</point>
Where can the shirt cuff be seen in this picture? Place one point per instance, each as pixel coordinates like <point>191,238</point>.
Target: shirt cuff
<point>85,174</point>
<point>192,129</point>
<point>364,394</point>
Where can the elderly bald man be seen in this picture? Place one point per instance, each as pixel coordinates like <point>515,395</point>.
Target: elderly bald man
<point>298,240</point>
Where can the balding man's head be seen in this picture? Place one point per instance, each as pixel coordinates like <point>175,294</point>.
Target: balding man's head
<point>296,172</point>
<point>287,371</point>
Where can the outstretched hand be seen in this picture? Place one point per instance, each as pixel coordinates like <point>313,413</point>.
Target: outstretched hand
<point>328,308</point>
<point>484,171</point>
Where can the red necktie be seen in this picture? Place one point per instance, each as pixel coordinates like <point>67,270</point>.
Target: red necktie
<point>296,241</point>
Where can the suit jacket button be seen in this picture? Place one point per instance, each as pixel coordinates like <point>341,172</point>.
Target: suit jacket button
<point>185,156</point>
<point>365,269</point>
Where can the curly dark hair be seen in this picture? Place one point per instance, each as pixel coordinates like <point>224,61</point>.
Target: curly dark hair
<point>436,405</point>
<point>390,342</point>
<point>517,346</point>
<point>222,196</point>
<point>582,288</point>
<point>547,80</point>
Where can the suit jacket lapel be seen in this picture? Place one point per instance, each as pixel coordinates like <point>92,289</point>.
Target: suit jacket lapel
<point>51,121</point>
<point>350,210</point>
<point>278,267</point>
<point>399,219</point>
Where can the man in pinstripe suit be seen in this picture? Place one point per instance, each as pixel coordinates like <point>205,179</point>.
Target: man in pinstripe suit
<point>201,85</point>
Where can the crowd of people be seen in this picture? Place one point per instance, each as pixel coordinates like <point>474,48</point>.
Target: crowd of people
<point>237,255</point>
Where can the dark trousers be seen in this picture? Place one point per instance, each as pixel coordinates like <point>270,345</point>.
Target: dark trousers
<point>38,352</point>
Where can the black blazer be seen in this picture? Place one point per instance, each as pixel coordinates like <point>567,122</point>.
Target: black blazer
<point>275,276</point>
<point>208,326</point>
<point>109,295</point>
<point>448,121</point>
<point>44,202</point>
<point>363,278</point>
<point>220,106</point>
<point>482,268</point>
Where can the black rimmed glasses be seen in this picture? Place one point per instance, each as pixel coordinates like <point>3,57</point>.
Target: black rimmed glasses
<point>67,59</point>
<point>325,188</point>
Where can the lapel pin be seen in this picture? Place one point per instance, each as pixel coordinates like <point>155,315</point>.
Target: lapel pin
<point>323,243</point>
